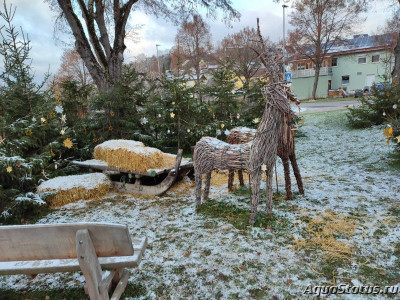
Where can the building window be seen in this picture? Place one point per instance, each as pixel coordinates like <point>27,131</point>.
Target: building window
<point>300,66</point>
<point>375,58</point>
<point>362,60</point>
<point>359,73</point>
<point>334,62</point>
<point>345,79</point>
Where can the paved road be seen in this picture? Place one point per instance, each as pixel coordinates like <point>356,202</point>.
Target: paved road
<point>312,107</point>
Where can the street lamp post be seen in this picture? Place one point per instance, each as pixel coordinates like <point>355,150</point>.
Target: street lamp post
<point>158,60</point>
<point>284,37</point>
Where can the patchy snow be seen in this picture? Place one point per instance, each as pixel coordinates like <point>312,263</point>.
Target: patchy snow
<point>62,183</point>
<point>131,146</point>
<point>218,144</point>
<point>118,144</point>
<point>244,130</point>
<point>96,162</point>
<point>194,256</point>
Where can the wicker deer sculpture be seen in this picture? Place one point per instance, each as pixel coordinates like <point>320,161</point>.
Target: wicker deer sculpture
<point>286,151</point>
<point>258,155</point>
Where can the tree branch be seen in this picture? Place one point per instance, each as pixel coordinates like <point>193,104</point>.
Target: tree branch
<point>100,20</point>
<point>88,15</point>
<point>82,44</point>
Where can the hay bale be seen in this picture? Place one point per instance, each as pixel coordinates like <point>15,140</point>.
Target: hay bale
<point>241,135</point>
<point>75,187</point>
<point>133,155</point>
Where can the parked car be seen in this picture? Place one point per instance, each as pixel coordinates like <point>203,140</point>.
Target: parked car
<point>358,93</point>
<point>383,86</point>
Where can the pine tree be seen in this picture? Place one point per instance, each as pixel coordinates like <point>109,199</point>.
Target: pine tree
<point>34,139</point>
<point>175,116</point>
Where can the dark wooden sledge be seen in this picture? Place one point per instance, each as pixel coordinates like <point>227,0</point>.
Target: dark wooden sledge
<point>169,176</point>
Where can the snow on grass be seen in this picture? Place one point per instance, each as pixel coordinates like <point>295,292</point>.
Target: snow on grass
<point>198,256</point>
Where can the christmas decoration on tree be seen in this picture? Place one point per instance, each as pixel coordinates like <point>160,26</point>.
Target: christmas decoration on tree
<point>31,142</point>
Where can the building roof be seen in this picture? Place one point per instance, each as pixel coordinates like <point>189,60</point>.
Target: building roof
<point>359,43</point>
<point>364,42</point>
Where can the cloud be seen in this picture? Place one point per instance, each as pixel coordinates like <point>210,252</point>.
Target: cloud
<point>153,31</point>
<point>37,20</point>
<point>270,25</point>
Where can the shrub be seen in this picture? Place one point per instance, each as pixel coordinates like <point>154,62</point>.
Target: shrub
<point>379,109</point>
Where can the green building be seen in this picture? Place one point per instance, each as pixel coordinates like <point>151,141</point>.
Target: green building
<point>354,64</point>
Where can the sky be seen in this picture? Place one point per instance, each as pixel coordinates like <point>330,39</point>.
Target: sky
<point>37,21</point>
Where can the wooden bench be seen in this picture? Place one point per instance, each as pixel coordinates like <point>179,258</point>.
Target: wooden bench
<point>87,247</point>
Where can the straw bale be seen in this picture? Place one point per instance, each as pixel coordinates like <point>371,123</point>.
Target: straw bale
<point>75,187</point>
<point>133,156</point>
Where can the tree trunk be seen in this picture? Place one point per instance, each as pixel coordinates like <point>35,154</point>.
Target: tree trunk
<point>103,62</point>
<point>396,69</point>
<point>198,71</point>
<point>317,69</point>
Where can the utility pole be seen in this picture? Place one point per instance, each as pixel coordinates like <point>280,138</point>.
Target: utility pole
<point>158,60</point>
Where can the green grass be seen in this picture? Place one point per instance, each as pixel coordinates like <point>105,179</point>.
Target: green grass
<point>394,157</point>
<point>330,100</point>
<point>240,217</point>
<point>76,293</point>
<point>378,276</point>
<point>27,216</point>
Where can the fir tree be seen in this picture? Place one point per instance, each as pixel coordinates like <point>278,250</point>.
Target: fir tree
<point>35,143</point>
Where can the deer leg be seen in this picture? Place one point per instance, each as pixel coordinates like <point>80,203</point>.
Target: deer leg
<point>288,184</point>
<point>240,175</point>
<point>269,191</point>
<point>207,186</point>
<point>296,171</point>
<point>230,180</point>
<point>255,193</point>
<point>198,188</point>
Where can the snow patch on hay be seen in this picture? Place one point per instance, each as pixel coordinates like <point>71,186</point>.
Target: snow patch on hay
<point>133,155</point>
<point>75,187</point>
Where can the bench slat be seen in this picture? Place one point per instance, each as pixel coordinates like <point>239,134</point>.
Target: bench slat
<point>58,241</point>
<point>72,265</point>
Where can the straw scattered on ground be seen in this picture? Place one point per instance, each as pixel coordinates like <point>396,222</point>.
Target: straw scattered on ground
<point>324,232</point>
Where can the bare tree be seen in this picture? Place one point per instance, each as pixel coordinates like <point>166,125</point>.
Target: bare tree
<point>394,25</point>
<point>194,40</point>
<point>100,33</point>
<point>177,59</point>
<point>142,63</point>
<point>237,48</point>
<point>319,24</point>
<point>73,68</point>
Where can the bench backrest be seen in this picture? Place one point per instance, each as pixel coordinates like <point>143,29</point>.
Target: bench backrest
<point>58,241</point>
